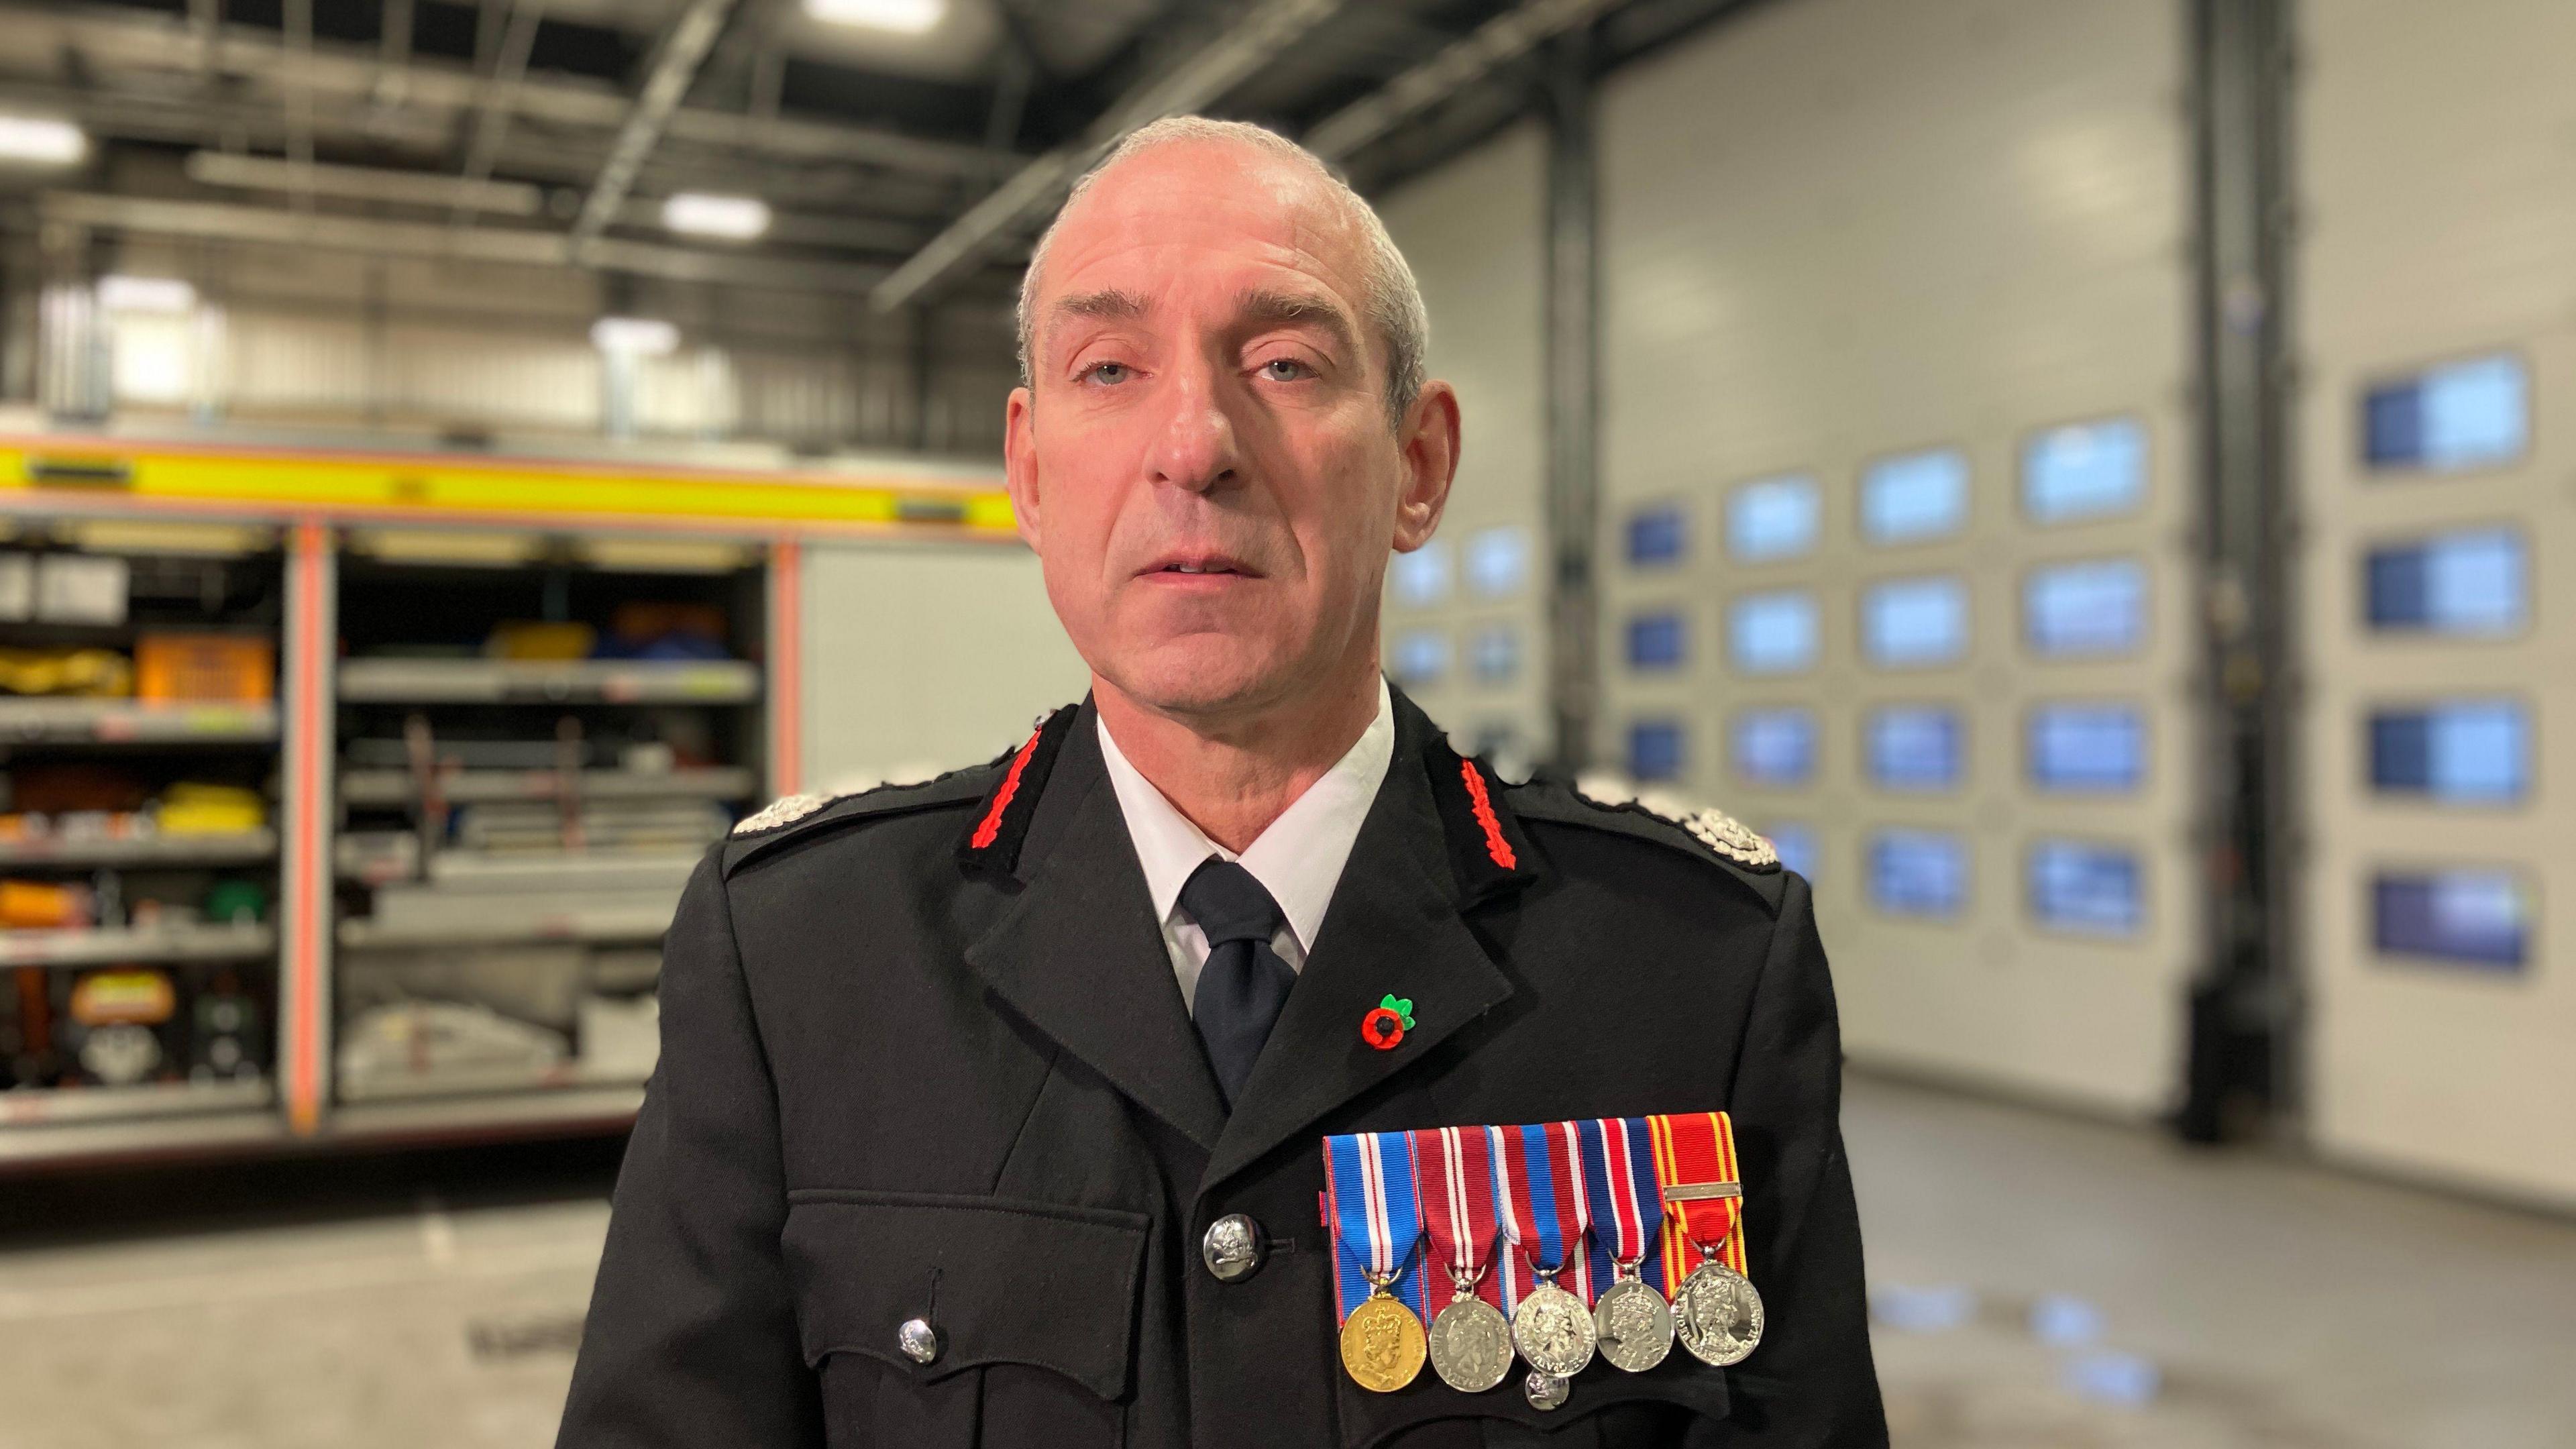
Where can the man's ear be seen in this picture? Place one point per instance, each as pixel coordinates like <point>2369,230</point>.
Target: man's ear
<point>1429,441</point>
<point>1020,463</point>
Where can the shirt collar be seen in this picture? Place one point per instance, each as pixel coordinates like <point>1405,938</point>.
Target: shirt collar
<point>1298,858</point>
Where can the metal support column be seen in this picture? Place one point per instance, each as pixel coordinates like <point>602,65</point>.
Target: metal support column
<point>924,338</point>
<point>1573,404</point>
<point>2244,1002</point>
<point>304,905</point>
<point>785,695</point>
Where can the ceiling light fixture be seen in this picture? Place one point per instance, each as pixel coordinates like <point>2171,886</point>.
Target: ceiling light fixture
<point>699,213</point>
<point>121,293</point>
<point>42,140</point>
<point>904,17</point>
<point>635,336</point>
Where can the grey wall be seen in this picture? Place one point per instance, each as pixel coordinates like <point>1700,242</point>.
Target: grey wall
<point>1836,230</point>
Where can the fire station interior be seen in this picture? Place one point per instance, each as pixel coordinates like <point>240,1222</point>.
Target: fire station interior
<point>2093,485</point>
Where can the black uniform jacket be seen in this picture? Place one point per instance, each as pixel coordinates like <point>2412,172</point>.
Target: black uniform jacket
<point>924,1057</point>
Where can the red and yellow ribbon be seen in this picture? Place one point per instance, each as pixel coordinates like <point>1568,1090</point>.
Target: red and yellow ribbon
<point>1698,1149</point>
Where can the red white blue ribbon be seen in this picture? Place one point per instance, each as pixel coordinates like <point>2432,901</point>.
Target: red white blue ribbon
<point>1627,1201</point>
<point>1540,1204</point>
<point>1376,1218</point>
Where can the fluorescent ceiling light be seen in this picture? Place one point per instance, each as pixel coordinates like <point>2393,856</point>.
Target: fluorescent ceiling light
<point>699,213</point>
<point>905,17</point>
<point>41,139</point>
<point>635,336</point>
<point>121,293</point>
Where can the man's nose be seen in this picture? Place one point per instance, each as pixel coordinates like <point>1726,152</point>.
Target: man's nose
<point>1196,448</point>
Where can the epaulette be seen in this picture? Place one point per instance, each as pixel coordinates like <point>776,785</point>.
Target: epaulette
<point>799,817</point>
<point>1606,802</point>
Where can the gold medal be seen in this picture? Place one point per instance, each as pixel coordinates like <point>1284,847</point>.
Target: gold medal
<point>1382,1343</point>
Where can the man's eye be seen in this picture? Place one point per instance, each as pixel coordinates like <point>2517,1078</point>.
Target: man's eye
<point>1285,369</point>
<point>1112,372</point>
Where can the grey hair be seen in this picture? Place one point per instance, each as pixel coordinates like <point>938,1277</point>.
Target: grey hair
<point>1394,300</point>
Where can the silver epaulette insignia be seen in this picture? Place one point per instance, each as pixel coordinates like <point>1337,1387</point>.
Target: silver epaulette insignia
<point>1713,828</point>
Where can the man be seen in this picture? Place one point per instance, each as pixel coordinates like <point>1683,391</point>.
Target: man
<point>989,1109</point>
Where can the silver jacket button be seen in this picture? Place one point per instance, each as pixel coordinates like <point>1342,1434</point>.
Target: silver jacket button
<point>1232,1248</point>
<point>919,1341</point>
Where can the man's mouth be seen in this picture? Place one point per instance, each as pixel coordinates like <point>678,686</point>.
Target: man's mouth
<point>1204,566</point>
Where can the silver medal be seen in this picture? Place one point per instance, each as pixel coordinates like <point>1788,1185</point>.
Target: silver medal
<point>1717,1315</point>
<point>1635,1328</point>
<point>1471,1345</point>
<point>1545,1391</point>
<point>1553,1330</point>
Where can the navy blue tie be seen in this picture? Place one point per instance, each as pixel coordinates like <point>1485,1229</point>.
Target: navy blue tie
<point>1244,983</point>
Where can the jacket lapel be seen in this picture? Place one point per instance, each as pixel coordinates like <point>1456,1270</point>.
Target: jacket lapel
<point>1393,927</point>
<point>1080,955</point>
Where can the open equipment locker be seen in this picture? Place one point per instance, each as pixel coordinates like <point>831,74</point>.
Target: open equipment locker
<point>323,510</point>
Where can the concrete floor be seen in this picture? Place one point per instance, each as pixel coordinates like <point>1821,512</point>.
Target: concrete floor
<point>2045,1282</point>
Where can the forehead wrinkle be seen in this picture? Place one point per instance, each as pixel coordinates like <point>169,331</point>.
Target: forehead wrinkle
<point>1278,305</point>
<point>1110,302</point>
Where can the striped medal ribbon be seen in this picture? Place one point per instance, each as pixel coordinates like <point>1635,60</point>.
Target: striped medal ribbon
<point>1377,1227</point>
<point>1716,1312</point>
<point>1470,1340</point>
<point>1539,1201</point>
<point>1630,1315</point>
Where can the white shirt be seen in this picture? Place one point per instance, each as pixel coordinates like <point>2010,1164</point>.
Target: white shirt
<point>1298,858</point>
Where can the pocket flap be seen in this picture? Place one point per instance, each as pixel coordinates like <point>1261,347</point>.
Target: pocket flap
<point>1015,1281</point>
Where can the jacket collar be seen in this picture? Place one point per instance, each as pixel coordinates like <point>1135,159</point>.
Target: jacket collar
<point>1078,951</point>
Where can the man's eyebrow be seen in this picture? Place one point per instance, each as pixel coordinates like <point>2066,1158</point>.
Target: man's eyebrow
<point>1110,303</point>
<point>1264,305</point>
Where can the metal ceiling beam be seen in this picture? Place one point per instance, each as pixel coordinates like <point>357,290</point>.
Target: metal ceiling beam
<point>1206,75</point>
<point>220,221</point>
<point>394,51</point>
<point>1494,44</point>
<point>674,66</point>
<point>492,112</point>
<point>917,203</point>
<point>205,17</point>
<point>298,19</point>
<point>512,198</point>
<point>33,37</point>
<point>364,183</point>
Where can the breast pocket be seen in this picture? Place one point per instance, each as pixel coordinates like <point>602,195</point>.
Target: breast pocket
<point>1605,1409</point>
<point>1030,1311</point>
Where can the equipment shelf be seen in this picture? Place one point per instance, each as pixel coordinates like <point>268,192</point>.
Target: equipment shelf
<point>574,922</point>
<point>122,945</point>
<point>241,847</point>
<point>125,721</point>
<point>390,787</point>
<point>36,1106</point>
<point>370,635</point>
<point>516,681</point>
<point>573,1074</point>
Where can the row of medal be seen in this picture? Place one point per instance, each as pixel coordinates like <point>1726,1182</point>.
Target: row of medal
<point>1560,1242</point>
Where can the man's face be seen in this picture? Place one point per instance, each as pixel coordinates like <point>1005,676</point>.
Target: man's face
<point>1204,461</point>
